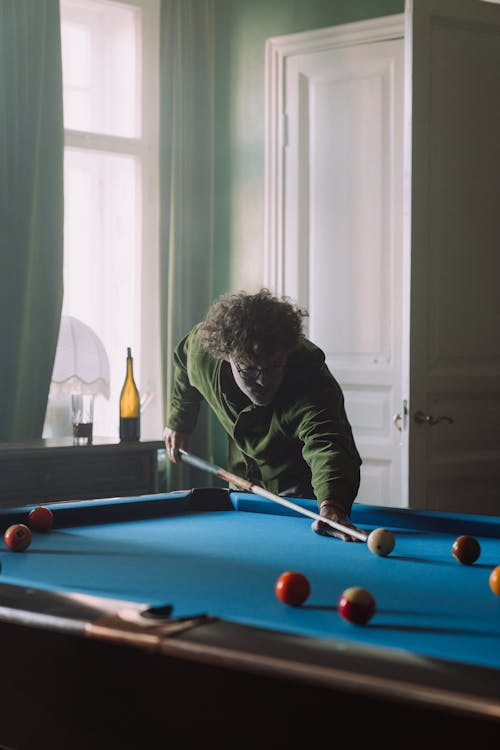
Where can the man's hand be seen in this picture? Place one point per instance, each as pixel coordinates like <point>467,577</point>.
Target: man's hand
<point>174,441</point>
<point>335,512</point>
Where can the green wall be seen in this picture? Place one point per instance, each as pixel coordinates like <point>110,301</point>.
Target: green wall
<point>241,30</point>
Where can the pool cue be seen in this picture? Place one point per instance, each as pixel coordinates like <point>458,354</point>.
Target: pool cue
<point>200,463</point>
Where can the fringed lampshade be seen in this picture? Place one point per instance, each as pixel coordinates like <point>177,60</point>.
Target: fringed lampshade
<point>81,365</point>
<point>81,370</point>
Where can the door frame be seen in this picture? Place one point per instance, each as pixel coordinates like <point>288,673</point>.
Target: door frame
<point>278,51</point>
<point>286,264</point>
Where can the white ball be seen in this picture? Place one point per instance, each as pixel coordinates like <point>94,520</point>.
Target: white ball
<point>381,542</point>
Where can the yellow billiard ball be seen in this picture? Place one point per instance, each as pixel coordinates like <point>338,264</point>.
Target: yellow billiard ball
<point>494,580</point>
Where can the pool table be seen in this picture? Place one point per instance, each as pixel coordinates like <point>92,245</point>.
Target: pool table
<point>158,613</point>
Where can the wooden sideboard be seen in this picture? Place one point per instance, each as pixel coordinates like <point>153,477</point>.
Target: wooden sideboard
<point>54,470</point>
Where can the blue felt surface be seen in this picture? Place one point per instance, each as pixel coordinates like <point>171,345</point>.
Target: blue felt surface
<point>226,563</point>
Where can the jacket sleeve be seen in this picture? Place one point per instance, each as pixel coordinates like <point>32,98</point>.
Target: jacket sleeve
<point>328,446</point>
<point>185,400</point>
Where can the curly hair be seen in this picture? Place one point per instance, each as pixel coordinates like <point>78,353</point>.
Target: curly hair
<point>249,326</point>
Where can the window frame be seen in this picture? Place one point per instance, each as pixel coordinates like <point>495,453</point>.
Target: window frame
<point>145,148</point>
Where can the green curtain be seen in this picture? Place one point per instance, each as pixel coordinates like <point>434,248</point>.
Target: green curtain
<point>31,211</point>
<point>186,191</point>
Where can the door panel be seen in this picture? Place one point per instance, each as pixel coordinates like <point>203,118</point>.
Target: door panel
<point>355,177</point>
<point>455,259</point>
<point>342,162</point>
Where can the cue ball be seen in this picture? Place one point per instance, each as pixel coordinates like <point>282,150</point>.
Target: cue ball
<point>356,605</point>
<point>466,549</point>
<point>40,519</point>
<point>17,537</point>
<point>381,542</point>
<point>292,588</point>
<point>494,580</point>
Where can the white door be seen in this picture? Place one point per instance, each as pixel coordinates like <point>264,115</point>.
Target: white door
<point>335,243</point>
<point>402,296</point>
<point>454,349</point>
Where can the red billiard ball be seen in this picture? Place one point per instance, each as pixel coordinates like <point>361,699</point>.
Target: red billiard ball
<point>292,588</point>
<point>466,549</point>
<point>356,605</point>
<point>40,519</point>
<point>18,537</point>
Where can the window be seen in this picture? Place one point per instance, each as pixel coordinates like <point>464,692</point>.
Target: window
<point>110,74</point>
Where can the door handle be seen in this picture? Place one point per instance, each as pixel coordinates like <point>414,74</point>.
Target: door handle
<point>421,418</point>
<point>400,420</point>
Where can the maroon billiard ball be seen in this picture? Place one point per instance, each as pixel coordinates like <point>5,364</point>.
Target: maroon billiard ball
<point>466,549</point>
<point>356,605</point>
<point>41,519</point>
<point>292,588</point>
<point>17,537</point>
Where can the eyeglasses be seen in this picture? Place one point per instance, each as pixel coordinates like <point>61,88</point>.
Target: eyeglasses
<point>253,373</point>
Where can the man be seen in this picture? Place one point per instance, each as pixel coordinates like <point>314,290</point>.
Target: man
<point>272,392</point>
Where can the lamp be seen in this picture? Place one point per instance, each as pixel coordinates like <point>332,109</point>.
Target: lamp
<point>81,369</point>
